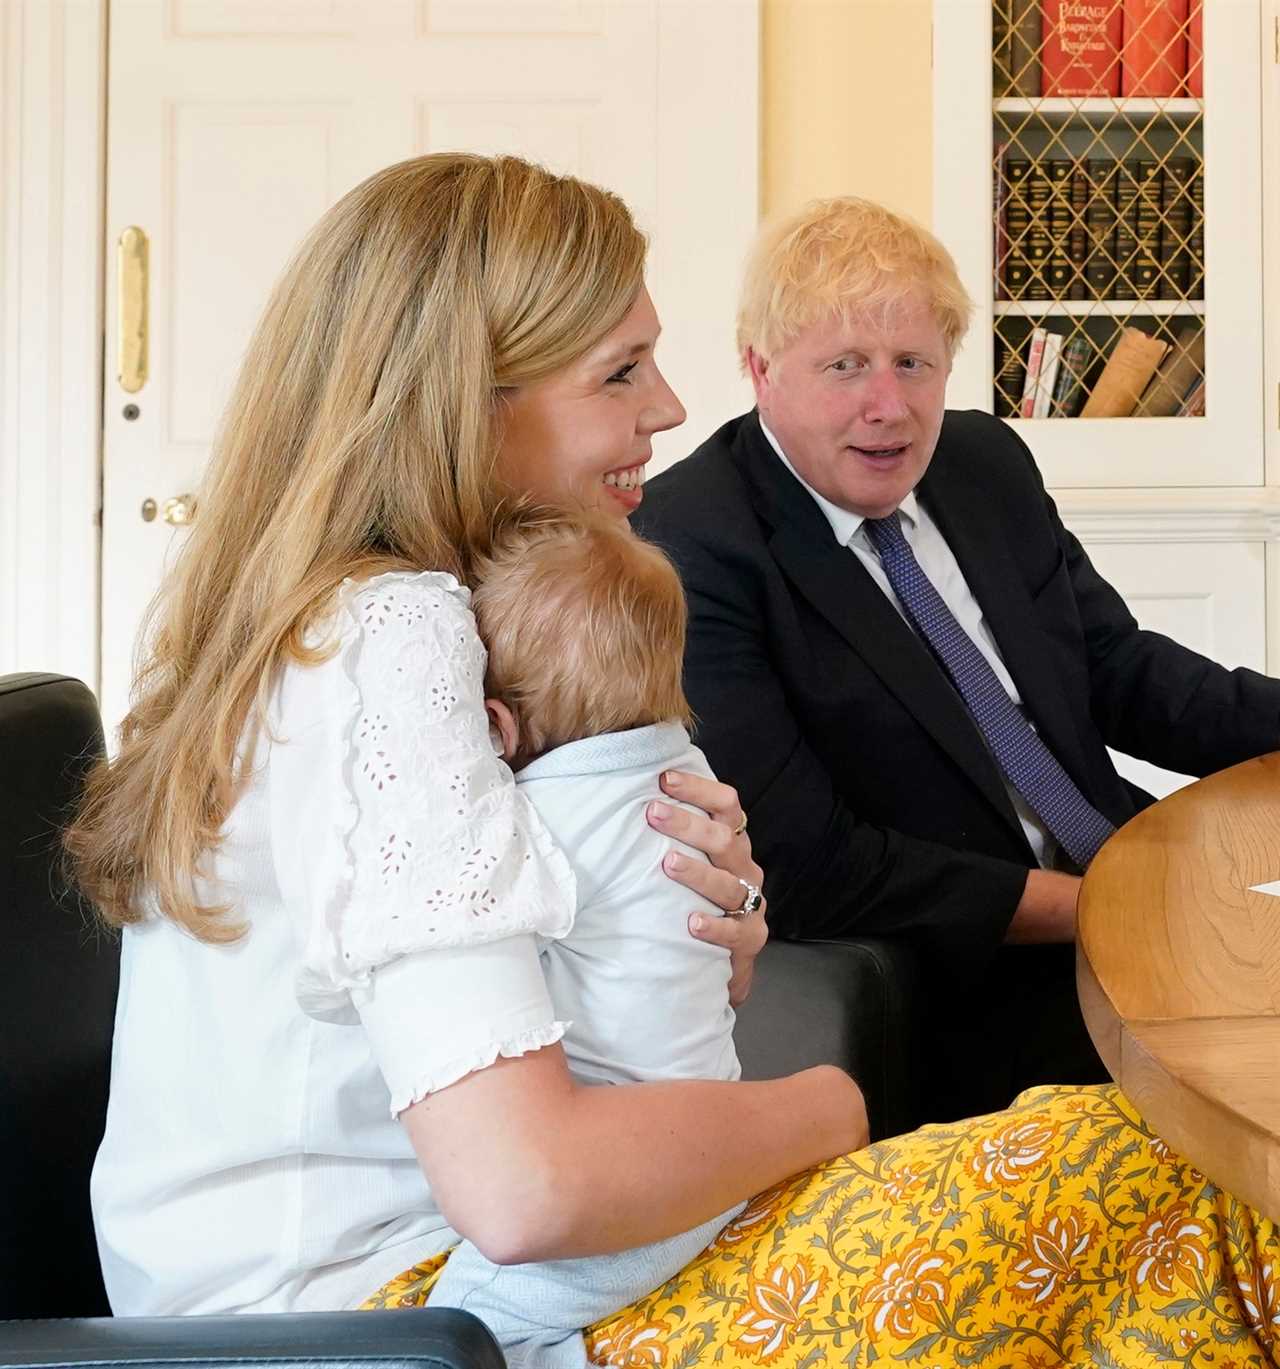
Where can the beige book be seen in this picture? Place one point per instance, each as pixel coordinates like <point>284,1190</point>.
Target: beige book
<point>1177,373</point>
<point>1129,368</point>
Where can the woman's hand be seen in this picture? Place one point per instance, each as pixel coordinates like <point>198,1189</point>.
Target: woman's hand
<point>715,833</point>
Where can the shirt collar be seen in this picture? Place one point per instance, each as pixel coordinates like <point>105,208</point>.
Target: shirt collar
<point>844,525</point>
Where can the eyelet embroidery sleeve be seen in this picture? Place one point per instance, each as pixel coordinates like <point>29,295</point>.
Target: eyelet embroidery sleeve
<point>434,846</point>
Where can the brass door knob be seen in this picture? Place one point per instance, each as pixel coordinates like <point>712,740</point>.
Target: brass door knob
<point>180,511</point>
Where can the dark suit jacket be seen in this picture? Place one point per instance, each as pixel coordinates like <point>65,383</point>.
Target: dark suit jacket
<point>875,806</point>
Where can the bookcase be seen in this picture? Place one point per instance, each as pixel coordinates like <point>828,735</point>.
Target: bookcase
<point>1110,209</point>
<point>1095,226</point>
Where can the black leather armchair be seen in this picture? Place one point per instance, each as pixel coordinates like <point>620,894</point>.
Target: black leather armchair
<point>838,1002</point>
<point>59,976</point>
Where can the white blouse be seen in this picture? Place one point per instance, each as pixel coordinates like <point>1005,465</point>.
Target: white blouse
<point>396,889</point>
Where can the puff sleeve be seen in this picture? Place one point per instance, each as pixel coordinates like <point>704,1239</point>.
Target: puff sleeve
<point>420,880</point>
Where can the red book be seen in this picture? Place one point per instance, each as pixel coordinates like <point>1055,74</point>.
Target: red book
<point>1154,56</point>
<point>1081,54</point>
<point>1195,52</point>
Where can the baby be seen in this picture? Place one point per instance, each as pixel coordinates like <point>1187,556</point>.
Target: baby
<point>584,625</point>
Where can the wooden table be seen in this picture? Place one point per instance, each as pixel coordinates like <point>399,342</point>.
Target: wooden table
<point>1178,967</point>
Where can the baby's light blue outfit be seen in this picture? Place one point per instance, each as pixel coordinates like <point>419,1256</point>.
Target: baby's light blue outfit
<point>646,1001</point>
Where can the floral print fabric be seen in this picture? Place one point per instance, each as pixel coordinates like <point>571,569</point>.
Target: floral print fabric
<point>1060,1232</point>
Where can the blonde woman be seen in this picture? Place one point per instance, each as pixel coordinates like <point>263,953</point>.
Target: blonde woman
<point>335,1052</point>
<point>332,892</point>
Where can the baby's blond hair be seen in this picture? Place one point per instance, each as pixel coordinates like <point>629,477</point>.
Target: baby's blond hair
<point>584,624</point>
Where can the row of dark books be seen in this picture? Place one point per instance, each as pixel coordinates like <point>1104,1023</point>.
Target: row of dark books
<point>1053,375</point>
<point>1096,228</point>
<point>1128,48</point>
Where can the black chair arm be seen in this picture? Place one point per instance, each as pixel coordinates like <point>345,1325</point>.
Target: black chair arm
<point>421,1338</point>
<point>847,1003</point>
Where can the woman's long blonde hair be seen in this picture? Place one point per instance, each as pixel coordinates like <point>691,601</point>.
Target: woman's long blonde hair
<point>361,436</point>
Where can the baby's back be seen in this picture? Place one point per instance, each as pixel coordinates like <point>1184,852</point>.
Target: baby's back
<point>646,999</point>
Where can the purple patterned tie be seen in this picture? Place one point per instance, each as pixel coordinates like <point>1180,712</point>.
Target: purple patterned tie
<point>1026,761</point>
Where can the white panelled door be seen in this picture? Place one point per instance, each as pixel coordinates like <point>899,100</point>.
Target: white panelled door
<point>233,124</point>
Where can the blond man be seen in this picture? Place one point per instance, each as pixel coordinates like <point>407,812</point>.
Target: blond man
<point>905,662</point>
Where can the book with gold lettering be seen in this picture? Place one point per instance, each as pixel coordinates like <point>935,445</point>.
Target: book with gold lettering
<point>1017,222</point>
<point>1124,285</point>
<point>1100,223</point>
<point>1060,272</point>
<point>1146,256</point>
<point>1039,241</point>
<point>1081,52</point>
<point>1176,213</point>
<point>1078,232</point>
<point>1195,286</point>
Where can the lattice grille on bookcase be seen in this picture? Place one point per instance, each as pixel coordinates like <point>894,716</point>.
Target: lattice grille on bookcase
<point>1097,174</point>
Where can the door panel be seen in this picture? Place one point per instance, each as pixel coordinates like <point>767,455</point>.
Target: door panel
<point>233,124</point>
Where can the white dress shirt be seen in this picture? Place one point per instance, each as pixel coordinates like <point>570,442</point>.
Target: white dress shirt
<point>939,564</point>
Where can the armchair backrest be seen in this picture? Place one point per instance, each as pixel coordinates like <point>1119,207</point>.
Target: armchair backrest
<point>58,980</point>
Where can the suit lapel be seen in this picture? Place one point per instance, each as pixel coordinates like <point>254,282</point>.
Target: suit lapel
<point>979,541</point>
<point>837,585</point>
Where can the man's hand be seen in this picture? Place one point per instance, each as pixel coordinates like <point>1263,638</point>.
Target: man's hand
<point>714,832</point>
<point>1047,909</point>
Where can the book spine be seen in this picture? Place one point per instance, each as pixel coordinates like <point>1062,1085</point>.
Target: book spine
<point>1195,51</point>
<point>1060,227</point>
<point>1048,377</point>
<point>1000,38</point>
<point>1082,47</point>
<point>1175,228</point>
<point>1017,220</point>
<point>1039,240</point>
<point>1126,230</point>
<point>1192,405</point>
<point>1000,237</point>
<point>1068,393</point>
<point>1078,234</point>
<point>1177,373</point>
<point>1100,223</point>
<point>1008,380</point>
<point>1129,368</point>
<point>1024,48</point>
<point>1146,255</point>
<point>1195,286</point>
<point>1035,354</point>
<point>1154,56</point>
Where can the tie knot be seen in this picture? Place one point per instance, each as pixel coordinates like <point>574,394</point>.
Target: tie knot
<point>886,533</point>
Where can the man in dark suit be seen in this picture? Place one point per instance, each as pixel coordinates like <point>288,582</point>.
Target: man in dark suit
<point>907,665</point>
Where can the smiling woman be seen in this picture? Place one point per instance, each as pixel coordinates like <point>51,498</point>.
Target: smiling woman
<point>333,895</point>
<point>585,432</point>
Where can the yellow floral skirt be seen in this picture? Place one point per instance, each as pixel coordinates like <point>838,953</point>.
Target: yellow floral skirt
<point>1060,1232</point>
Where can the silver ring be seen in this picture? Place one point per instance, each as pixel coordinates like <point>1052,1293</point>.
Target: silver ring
<point>752,901</point>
